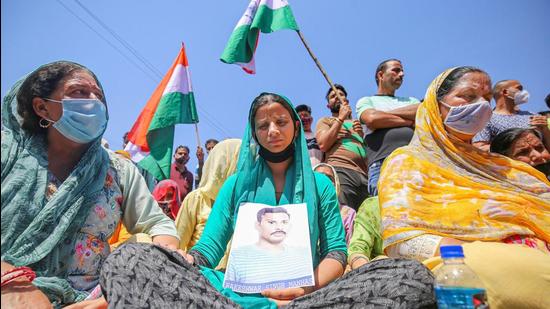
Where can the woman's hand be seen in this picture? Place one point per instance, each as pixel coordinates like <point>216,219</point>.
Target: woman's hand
<point>166,241</point>
<point>99,303</point>
<point>358,262</point>
<point>188,257</point>
<point>22,294</point>
<point>284,296</point>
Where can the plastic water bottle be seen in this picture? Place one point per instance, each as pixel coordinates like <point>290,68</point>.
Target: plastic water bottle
<point>456,284</point>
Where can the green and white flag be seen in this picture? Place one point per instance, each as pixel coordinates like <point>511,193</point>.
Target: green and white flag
<point>261,15</point>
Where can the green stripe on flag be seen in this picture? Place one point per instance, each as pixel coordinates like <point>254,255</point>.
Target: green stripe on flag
<point>268,20</point>
<point>242,42</point>
<point>159,160</point>
<point>240,46</point>
<point>173,108</point>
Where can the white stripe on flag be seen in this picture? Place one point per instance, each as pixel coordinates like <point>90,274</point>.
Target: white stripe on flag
<point>135,152</point>
<point>249,14</point>
<point>180,81</point>
<point>250,11</point>
<point>274,4</point>
<point>249,67</point>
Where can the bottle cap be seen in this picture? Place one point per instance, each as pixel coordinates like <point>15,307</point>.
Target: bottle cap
<point>451,252</point>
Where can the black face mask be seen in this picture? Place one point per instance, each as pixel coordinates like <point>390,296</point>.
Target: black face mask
<point>180,160</point>
<point>544,168</point>
<point>277,157</point>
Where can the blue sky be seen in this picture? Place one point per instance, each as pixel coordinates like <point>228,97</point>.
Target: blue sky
<point>508,39</point>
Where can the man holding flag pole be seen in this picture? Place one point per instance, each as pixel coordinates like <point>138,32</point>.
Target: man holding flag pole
<point>264,16</point>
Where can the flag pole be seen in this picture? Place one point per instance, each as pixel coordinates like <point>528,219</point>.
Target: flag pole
<point>340,98</point>
<point>197,134</point>
<point>196,125</point>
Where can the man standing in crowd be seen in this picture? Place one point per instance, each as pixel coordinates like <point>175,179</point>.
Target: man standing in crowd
<point>179,172</point>
<point>389,119</point>
<point>341,139</point>
<point>210,143</point>
<point>315,153</point>
<point>508,95</point>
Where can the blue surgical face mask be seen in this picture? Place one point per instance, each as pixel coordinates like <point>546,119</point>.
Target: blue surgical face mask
<point>468,119</point>
<point>83,120</point>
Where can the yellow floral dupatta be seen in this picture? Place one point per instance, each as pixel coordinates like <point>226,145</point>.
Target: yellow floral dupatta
<point>443,186</point>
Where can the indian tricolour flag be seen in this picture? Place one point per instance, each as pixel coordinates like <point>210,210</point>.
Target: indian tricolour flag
<point>261,15</point>
<point>152,136</point>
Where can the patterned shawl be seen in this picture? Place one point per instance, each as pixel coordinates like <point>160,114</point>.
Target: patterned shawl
<point>34,229</point>
<point>441,185</point>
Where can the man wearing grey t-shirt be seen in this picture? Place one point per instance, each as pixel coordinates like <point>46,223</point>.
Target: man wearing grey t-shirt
<point>389,119</point>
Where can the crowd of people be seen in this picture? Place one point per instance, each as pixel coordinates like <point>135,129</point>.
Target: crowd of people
<point>85,227</point>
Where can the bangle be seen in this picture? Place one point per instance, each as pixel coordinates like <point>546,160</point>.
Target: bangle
<point>356,258</point>
<point>17,272</point>
<point>339,120</point>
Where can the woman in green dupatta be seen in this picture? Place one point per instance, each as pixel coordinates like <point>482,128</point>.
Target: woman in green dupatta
<point>273,169</point>
<point>62,193</point>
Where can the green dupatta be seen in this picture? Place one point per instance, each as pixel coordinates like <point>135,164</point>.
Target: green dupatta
<point>34,230</point>
<point>253,182</point>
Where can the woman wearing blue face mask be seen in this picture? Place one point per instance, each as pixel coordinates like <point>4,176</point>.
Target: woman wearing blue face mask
<point>442,190</point>
<point>63,194</point>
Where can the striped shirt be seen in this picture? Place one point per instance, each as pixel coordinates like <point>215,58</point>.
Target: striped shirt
<point>253,268</point>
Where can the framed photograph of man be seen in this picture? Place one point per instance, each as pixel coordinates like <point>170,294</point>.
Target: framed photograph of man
<point>270,249</point>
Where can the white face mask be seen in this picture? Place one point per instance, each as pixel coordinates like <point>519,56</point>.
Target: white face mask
<point>521,97</point>
<point>468,119</point>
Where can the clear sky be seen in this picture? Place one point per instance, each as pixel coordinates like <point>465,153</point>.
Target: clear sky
<point>508,39</point>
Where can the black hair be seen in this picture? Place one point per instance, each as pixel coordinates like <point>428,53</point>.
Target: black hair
<point>547,100</point>
<point>339,87</point>
<point>504,140</point>
<point>265,98</point>
<point>450,81</point>
<point>382,67</point>
<point>210,140</point>
<point>42,83</point>
<point>270,210</point>
<point>303,108</point>
<point>182,146</point>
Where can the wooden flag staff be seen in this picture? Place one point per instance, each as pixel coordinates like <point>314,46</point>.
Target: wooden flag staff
<point>196,123</point>
<point>340,98</point>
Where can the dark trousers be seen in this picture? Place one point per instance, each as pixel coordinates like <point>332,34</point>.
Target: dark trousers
<point>147,276</point>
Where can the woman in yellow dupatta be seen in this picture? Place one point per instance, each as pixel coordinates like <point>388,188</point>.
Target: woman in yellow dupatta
<point>196,206</point>
<point>441,190</point>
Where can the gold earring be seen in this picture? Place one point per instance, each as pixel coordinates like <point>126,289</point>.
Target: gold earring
<point>42,125</point>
